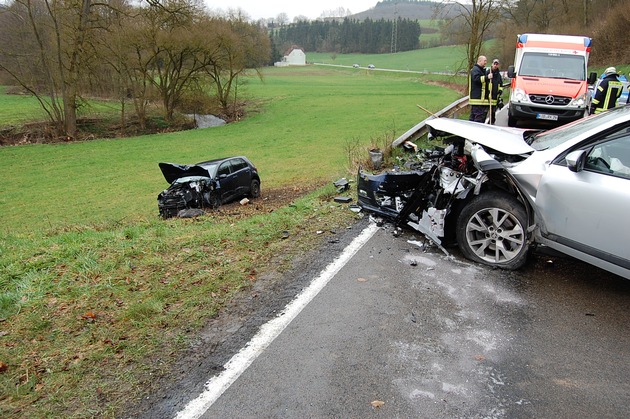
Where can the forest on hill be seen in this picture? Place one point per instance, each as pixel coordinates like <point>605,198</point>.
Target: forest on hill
<point>351,36</point>
<point>466,23</point>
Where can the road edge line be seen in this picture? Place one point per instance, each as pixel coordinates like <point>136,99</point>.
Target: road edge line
<point>268,332</point>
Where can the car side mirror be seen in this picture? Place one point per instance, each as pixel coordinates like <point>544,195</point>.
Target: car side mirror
<point>592,78</point>
<point>511,73</point>
<point>576,160</point>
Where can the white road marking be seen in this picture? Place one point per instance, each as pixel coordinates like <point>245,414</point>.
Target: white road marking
<point>216,386</point>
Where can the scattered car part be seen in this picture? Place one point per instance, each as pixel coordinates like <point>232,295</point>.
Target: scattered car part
<point>342,185</point>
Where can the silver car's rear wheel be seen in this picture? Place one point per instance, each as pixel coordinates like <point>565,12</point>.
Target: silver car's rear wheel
<point>491,229</point>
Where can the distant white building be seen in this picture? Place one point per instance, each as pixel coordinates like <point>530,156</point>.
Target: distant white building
<point>294,56</point>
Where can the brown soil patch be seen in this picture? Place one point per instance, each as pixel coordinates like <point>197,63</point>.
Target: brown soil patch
<point>269,201</point>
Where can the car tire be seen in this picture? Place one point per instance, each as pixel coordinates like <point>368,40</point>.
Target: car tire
<point>511,121</point>
<point>254,188</point>
<point>492,229</point>
<point>214,200</point>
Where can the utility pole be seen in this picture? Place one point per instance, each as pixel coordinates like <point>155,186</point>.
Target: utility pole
<point>394,45</point>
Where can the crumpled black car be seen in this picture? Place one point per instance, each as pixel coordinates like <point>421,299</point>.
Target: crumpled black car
<point>207,184</point>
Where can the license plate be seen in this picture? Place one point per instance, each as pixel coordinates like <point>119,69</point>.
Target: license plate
<point>547,117</point>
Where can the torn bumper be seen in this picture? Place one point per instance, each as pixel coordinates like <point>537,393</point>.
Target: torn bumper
<point>387,194</point>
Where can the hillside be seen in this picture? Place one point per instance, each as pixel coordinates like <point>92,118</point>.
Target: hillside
<point>390,10</point>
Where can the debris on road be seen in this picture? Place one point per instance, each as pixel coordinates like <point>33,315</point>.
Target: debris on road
<point>342,185</point>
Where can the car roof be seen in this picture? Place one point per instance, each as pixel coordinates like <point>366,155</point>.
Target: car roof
<point>221,160</point>
<point>174,171</point>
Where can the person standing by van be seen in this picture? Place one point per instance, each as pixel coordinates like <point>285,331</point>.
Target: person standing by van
<point>607,92</point>
<point>478,91</point>
<point>496,89</point>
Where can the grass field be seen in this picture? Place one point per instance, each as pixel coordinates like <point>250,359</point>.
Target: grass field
<point>98,295</point>
<point>19,109</point>
<point>297,134</point>
<point>444,59</point>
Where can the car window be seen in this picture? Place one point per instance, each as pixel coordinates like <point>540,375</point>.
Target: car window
<point>211,168</point>
<point>238,164</point>
<point>611,157</point>
<point>224,169</point>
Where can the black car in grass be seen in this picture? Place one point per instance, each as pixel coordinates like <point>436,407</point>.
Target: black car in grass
<point>207,184</point>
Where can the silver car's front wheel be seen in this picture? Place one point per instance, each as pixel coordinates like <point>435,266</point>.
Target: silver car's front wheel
<point>491,229</point>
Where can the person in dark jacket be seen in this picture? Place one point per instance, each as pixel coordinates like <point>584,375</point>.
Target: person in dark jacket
<point>607,92</point>
<point>478,92</point>
<point>496,90</point>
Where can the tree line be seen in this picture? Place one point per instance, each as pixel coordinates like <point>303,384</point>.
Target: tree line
<point>477,21</point>
<point>351,36</point>
<point>167,51</point>
<point>404,1</point>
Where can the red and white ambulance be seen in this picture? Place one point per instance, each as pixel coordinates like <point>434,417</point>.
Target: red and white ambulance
<point>549,78</point>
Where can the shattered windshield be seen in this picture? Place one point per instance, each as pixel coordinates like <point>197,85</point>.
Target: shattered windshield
<point>557,136</point>
<point>210,167</point>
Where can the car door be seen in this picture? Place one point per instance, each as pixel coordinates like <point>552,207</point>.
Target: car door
<point>243,176</point>
<point>587,210</point>
<point>227,181</point>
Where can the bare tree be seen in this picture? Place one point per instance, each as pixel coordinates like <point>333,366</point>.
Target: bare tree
<point>610,46</point>
<point>300,18</point>
<point>123,51</point>
<point>282,19</point>
<point>167,47</point>
<point>50,52</point>
<point>338,12</point>
<point>471,24</point>
<point>235,47</point>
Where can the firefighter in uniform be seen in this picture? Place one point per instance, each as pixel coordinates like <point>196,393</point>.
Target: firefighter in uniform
<point>496,90</point>
<point>607,92</point>
<point>478,96</point>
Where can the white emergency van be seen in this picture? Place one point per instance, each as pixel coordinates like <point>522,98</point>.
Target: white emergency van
<point>549,78</point>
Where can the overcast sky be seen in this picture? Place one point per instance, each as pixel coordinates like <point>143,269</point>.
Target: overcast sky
<point>312,9</point>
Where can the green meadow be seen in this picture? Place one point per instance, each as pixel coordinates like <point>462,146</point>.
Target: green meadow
<point>444,59</point>
<point>295,133</point>
<point>98,294</point>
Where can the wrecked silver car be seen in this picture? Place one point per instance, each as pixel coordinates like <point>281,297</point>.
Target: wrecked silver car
<point>207,184</point>
<point>497,192</point>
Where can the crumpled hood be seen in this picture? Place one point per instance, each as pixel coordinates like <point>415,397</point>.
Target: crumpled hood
<point>503,139</point>
<point>174,171</point>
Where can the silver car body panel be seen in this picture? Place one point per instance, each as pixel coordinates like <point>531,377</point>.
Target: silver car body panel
<point>586,209</point>
<point>582,214</point>
<point>574,183</point>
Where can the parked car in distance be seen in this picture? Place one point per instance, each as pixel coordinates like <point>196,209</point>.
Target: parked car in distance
<point>207,184</point>
<point>371,66</point>
<point>355,65</point>
<point>497,192</point>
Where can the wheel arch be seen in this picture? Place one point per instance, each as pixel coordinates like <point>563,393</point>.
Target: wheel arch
<point>480,249</point>
<point>500,181</point>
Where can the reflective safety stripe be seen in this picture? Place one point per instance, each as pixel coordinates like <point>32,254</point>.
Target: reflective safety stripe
<point>610,101</point>
<point>482,100</point>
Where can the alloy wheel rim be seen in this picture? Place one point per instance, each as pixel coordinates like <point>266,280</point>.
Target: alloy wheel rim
<point>495,235</point>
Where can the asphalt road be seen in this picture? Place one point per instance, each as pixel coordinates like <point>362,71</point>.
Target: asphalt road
<point>399,330</point>
<point>424,335</point>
